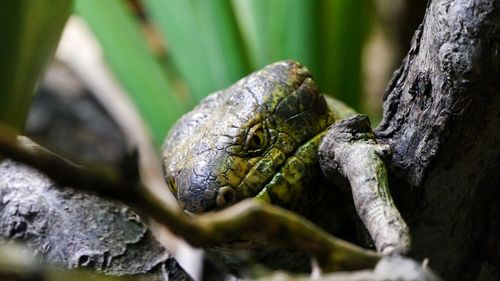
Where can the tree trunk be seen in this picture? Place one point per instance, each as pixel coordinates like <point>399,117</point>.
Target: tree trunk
<point>441,119</point>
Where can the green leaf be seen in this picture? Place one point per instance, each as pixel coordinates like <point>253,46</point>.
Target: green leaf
<point>344,28</point>
<point>133,63</point>
<point>326,36</point>
<point>280,29</point>
<point>203,42</point>
<point>294,32</point>
<point>253,17</point>
<point>226,52</point>
<point>29,32</point>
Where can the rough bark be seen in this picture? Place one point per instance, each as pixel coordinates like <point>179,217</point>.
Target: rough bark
<point>441,119</point>
<point>74,229</point>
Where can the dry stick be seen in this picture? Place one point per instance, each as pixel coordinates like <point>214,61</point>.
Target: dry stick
<point>250,216</point>
<point>350,148</point>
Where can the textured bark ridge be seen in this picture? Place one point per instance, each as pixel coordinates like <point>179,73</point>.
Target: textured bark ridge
<point>73,229</point>
<point>441,119</point>
<point>350,149</point>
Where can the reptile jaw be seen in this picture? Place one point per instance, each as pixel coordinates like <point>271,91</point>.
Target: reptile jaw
<point>285,187</point>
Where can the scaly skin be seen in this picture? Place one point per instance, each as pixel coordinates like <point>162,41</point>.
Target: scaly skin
<point>258,138</point>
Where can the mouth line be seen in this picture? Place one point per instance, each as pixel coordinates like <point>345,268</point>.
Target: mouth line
<point>261,185</point>
<point>267,185</point>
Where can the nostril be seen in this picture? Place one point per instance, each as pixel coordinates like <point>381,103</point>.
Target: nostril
<point>226,196</point>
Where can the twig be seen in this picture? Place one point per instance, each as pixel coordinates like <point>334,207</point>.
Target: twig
<point>351,147</point>
<point>251,216</point>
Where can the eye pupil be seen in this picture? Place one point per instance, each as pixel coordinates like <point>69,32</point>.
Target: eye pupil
<point>257,140</point>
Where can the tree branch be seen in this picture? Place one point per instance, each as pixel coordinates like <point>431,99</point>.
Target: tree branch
<point>278,225</point>
<point>350,148</point>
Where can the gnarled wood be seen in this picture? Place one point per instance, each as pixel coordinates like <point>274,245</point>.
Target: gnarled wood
<point>72,229</point>
<point>441,119</point>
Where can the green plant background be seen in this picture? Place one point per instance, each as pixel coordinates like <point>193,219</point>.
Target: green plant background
<point>208,45</point>
<point>29,32</point>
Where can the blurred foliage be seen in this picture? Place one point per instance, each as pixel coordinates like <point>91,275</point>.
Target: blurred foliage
<point>206,46</point>
<point>203,41</point>
<point>211,44</point>
<point>129,56</point>
<point>325,35</point>
<point>29,32</point>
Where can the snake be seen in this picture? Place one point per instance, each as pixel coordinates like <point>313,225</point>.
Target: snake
<point>258,138</point>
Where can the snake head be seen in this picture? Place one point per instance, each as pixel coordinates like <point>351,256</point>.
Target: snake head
<point>257,138</point>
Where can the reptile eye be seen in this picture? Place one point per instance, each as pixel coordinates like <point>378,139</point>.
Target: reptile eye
<point>256,138</point>
<point>171,184</point>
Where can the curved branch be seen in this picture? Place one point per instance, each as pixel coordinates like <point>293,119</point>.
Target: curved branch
<point>205,230</point>
<point>350,148</point>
